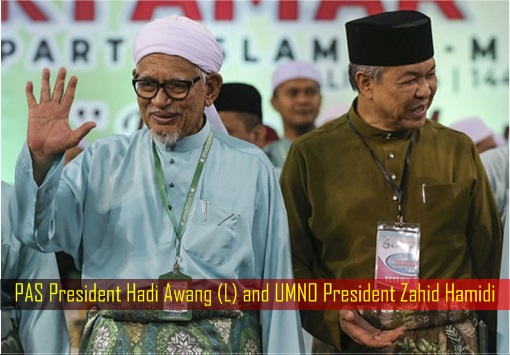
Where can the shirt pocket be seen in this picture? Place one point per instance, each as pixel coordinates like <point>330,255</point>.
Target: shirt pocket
<point>210,236</point>
<point>444,210</point>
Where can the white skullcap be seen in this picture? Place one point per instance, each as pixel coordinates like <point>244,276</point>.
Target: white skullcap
<point>295,70</point>
<point>331,113</point>
<point>181,36</point>
<point>474,128</point>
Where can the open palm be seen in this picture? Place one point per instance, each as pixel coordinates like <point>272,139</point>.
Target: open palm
<point>49,132</point>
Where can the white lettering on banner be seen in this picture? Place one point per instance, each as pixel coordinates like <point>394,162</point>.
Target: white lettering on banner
<point>77,52</point>
<point>128,120</point>
<point>11,49</point>
<point>87,53</point>
<point>86,111</point>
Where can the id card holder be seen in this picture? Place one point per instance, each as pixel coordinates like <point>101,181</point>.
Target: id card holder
<point>397,253</point>
<point>174,306</point>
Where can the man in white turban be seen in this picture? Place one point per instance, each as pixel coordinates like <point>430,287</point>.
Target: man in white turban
<point>176,199</point>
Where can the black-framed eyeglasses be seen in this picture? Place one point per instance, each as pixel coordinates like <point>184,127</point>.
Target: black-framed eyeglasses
<point>175,88</point>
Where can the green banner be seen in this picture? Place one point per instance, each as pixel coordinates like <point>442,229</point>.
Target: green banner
<point>93,40</point>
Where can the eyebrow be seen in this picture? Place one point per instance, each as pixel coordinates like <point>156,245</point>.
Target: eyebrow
<point>149,77</point>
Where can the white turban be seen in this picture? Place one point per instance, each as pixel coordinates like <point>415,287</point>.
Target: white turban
<point>295,70</point>
<point>183,37</point>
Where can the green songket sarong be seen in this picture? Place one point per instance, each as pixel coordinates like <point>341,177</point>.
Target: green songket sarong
<point>140,332</point>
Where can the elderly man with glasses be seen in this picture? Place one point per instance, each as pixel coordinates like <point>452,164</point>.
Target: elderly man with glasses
<point>177,199</point>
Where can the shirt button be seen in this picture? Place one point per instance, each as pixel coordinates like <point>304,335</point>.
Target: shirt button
<point>170,207</point>
<point>392,156</point>
<point>388,136</point>
<point>172,161</point>
<point>172,147</point>
<point>171,184</point>
<point>393,177</point>
<point>394,197</point>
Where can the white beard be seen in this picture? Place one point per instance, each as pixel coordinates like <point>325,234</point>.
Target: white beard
<point>166,138</point>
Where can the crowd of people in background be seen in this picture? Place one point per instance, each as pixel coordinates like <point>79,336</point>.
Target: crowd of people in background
<point>205,188</point>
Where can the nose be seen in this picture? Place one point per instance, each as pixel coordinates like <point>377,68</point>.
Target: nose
<point>161,99</point>
<point>303,97</point>
<point>424,88</point>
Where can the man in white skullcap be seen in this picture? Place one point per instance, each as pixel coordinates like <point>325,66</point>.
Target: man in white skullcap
<point>297,98</point>
<point>176,199</point>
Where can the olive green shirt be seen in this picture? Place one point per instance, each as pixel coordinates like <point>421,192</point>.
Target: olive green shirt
<point>335,194</point>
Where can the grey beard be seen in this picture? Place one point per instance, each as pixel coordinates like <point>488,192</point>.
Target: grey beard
<point>165,138</point>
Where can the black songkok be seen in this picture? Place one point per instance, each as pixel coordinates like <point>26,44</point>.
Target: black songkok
<point>390,39</point>
<point>240,98</point>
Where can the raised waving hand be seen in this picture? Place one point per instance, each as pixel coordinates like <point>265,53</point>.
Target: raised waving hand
<point>49,132</point>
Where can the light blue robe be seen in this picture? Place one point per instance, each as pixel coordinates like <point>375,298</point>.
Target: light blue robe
<point>495,162</point>
<point>40,331</point>
<point>277,151</point>
<point>496,165</point>
<point>105,210</point>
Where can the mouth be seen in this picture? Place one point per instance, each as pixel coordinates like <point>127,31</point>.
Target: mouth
<point>303,113</point>
<point>163,117</point>
<point>419,111</point>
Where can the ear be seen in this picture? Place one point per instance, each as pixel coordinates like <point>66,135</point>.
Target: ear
<point>275,103</point>
<point>259,135</point>
<point>364,84</point>
<point>213,86</point>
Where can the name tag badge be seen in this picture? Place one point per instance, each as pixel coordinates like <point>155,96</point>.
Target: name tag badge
<point>174,305</point>
<point>397,253</point>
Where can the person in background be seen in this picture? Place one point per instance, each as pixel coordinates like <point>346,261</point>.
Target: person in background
<point>271,135</point>
<point>481,135</point>
<point>297,98</point>
<point>381,167</point>
<point>75,318</point>
<point>331,113</point>
<point>27,331</point>
<point>65,262</point>
<point>496,165</point>
<point>176,199</point>
<point>240,108</point>
<point>495,162</point>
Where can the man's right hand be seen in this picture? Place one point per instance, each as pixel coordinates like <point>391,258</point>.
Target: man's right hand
<point>49,132</point>
<point>362,332</point>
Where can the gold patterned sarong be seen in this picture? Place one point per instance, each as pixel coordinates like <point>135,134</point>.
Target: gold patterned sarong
<point>141,332</point>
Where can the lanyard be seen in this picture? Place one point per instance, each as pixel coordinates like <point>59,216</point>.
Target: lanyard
<point>399,191</point>
<point>189,199</point>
